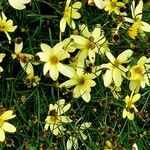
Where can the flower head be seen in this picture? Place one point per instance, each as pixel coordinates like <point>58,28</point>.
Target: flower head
<point>90,43</point>
<point>6,26</point>
<point>70,13</point>
<point>138,25</point>
<point>52,58</point>
<point>115,69</point>
<point>139,75</point>
<point>55,118</point>
<point>113,5</point>
<point>130,108</point>
<point>4,125</point>
<point>25,59</point>
<point>82,82</point>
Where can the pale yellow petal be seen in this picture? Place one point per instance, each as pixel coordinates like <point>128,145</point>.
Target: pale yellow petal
<point>2,55</point>
<point>7,115</point>
<point>8,127</point>
<point>110,57</point>
<point>124,113</point>
<point>145,26</point>
<point>45,48</point>
<point>65,70</point>
<point>62,24</point>
<point>54,73</point>
<point>117,77</point>
<point>124,56</point>
<point>77,5</point>
<point>76,15</point>
<point>2,135</point>
<point>18,47</point>
<point>107,78</point>
<point>46,68</point>
<point>136,97</point>
<point>64,119</point>
<point>68,83</point>
<point>86,96</point>
<point>76,92</point>
<point>99,3</point>
<point>138,10</point>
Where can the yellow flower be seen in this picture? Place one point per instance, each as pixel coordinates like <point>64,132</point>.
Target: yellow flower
<point>138,24</point>
<point>70,13</point>
<point>55,118</point>
<point>113,5</point>
<point>25,59</point>
<point>139,75</point>
<point>6,26</point>
<point>115,70</point>
<point>2,55</point>
<point>19,4</point>
<point>82,82</point>
<point>78,134</point>
<point>130,108</point>
<point>4,125</point>
<point>52,58</point>
<point>108,145</point>
<point>114,90</point>
<point>90,43</point>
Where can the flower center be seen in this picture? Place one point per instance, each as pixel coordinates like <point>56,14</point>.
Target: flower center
<point>116,63</point>
<point>81,81</point>
<point>54,60</point>
<point>53,115</point>
<point>139,70</point>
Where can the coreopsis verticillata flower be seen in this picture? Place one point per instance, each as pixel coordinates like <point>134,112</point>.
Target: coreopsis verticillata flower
<point>19,4</point>
<point>6,26</point>
<point>82,82</point>
<point>4,125</point>
<point>31,79</point>
<point>90,43</point>
<point>108,145</point>
<point>115,70</point>
<point>25,59</point>
<point>56,117</point>
<point>70,13</point>
<point>113,5</point>
<point>139,74</point>
<point>138,25</point>
<point>130,108</point>
<point>52,58</point>
<point>72,141</point>
<point>115,90</point>
<point>2,55</point>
